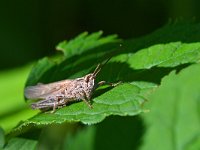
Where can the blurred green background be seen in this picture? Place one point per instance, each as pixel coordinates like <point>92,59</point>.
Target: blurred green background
<point>31,29</point>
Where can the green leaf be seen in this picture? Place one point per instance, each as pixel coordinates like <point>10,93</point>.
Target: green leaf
<point>173,120</point>
<point>84,42</point>
<point>163,55</point>
<point>20,143</point>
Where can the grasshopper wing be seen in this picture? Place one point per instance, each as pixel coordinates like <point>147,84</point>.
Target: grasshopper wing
<point>41,91</point>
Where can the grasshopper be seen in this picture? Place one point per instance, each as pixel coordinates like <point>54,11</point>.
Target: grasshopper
<point>58,94</point>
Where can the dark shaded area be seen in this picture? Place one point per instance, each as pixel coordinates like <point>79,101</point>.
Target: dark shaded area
<point>119,133</point>
<point>34,133</point>
<point>126,74</point>
<point>122,72</point>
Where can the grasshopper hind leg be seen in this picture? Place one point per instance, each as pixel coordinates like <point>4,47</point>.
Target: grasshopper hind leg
<point>45,104</point>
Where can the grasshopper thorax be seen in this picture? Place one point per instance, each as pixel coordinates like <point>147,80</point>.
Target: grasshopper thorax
<point>89,85</point>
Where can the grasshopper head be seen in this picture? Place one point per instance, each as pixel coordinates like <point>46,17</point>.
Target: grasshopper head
<point>90,78</point>
<point>89,85</point>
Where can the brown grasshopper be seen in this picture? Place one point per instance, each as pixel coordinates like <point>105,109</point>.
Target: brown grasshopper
<point>60,93</point>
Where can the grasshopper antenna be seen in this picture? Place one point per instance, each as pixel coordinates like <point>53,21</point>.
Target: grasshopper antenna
<point>101,65</point>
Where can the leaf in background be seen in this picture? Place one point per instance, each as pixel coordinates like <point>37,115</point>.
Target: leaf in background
<point>20,143</point>
<point>173,120</point>
<point>163,55</point>
<point>84,42</point>
<point>169,46</point>
<point>172,32</point>
<point>166,55</point>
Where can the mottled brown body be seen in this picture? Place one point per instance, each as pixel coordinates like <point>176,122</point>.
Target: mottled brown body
<point>60,93</point>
